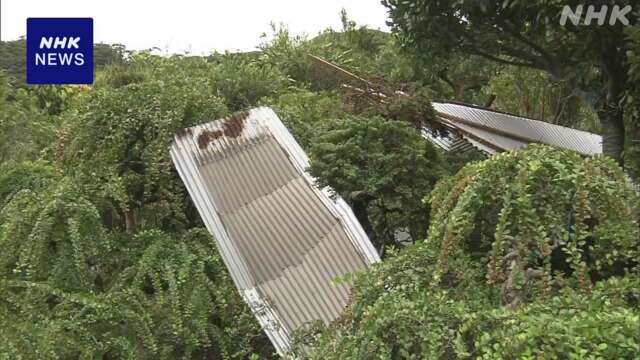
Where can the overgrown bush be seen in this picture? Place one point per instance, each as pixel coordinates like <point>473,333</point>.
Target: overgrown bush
<point>305,112</point>
<point>38,228</point>
<point>531,254</point>
<point>397,313</point>
<point>119,145</point>
<point>101,254</point>
<point>632,99</point>
<point>175,301</point>
<point>538,219</point>
<point>242,81</point>
<point>25,129</point>
<point>384,168</point>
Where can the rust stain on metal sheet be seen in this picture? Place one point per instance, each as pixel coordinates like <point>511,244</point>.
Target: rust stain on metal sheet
<point>232,127</point>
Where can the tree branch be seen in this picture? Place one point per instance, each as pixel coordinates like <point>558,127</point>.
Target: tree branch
<point>508,27</point>
<point>530,60</point>
<point>488,56</point>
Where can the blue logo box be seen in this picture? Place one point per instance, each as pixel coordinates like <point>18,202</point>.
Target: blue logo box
<point>59,51</point>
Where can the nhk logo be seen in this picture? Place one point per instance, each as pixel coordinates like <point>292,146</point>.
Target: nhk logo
<point>617,14</point>
<point>59,50</point>
<point>56,58</point>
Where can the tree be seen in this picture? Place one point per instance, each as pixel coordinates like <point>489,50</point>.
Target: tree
<point>304,112</point>
<point>13,55</point>
<point>383,168</point>
<point>528,34</point>
<point>398,313</point>
<point>42,226</point>
<point>172,300</point>
<point>242,81</point>
<point>102,255</point>
<point>464,77</point>
<point>108,54</point>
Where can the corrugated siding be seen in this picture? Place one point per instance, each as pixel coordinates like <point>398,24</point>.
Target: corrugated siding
<point>512,131</point>
<point>452,141</point>
<point>283,239</point>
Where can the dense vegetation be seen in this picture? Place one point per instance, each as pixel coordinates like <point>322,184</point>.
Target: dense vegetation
<point>523,260</point>
<point>104,256</point>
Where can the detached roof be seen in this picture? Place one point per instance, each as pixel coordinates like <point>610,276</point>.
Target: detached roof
<point>283,239</point>
<point>493,131</point>
<point>472,126</point>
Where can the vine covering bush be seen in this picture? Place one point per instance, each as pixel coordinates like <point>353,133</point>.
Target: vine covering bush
<point>539,218</point>
<point>103,255</point>
<point>383,167</point>
<point>531,254</point>
<point>176,301</point>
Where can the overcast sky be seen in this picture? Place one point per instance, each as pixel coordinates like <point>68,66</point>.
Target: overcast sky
<point>198,27</point>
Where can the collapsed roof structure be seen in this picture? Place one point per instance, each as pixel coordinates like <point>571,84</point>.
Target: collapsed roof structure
<point>492,131</point>
<point>469,127</point>
<point>283,239</point>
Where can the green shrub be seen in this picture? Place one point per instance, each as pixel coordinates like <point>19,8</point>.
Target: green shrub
<point>440,299</point>
<point>538,219</point>
<point>398,313</point>
<point>242,81</point>
<point>119,147</point>
<point>175,301</point>
<point>305,112</point>
<point>384,168</point>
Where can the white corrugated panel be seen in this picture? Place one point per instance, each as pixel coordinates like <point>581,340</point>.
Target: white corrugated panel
<point>511,132</point>
<point>283,239</point>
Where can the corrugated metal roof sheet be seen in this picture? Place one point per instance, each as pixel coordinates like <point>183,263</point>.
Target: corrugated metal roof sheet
<point>283,239</point>
<point>509,132</point>
<point>450,141</point>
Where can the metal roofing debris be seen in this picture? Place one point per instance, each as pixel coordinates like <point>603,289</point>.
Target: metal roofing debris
<point>283,239</point>
<point>487,130</point>
<point>500,131</point>
<point>451,141</point>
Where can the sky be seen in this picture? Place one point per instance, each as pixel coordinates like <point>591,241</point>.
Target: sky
<point>192,26</point>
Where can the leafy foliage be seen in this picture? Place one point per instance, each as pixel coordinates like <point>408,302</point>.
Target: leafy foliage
<point>122,139</point>
<point>534,94</point>
<point>25,129</point>
<point>397,313</point>
<point>103,254</point>
<point>632,97</point>
<point>538,219</point>
<point>445,298</point>
<point>173,303</point>
<point>359,49</point>
<point>383,167</point>
<point>86,270</point>
<point>39,228</point>
<point>14,59</point>
<point>304,112</point>
<point>16,176</point>
<point>242,81</point>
